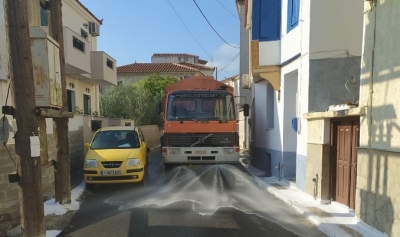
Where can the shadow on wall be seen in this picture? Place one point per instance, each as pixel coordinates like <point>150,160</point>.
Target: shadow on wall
<point>378,182</point>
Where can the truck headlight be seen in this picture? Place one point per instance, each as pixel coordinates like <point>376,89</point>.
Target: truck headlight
<point>133,162</point>
<point>174,151</point>
<point>229,151</point>
<point>90,163</point>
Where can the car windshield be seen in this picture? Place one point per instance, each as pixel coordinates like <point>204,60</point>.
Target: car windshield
<point>201,106</point>
<point>115,140</point>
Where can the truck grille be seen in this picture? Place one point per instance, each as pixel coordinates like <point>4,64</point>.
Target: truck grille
<point>201,139</point>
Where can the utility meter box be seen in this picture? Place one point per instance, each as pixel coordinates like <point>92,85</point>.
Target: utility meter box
<point>46,69</point>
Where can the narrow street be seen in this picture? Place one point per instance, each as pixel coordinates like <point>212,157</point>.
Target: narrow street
<point>220,200</point>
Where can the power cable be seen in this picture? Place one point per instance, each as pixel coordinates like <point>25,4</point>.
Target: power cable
<point>212,26</point>
<point>229,62</point>
<point>4,116</point>
<point>189,30</point>
<point>229,11</point>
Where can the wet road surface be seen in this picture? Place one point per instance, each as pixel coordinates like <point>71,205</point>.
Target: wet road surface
<point>212,200</point>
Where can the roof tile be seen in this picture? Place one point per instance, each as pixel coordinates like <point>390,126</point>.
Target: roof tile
<point>154,67</point>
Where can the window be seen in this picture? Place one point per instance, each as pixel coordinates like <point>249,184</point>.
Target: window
<point>266,20</point>
<point>71,101</point>
<point>84,34</point>
<point>44,17</point>
<point>79,45</point>
<point>110,63</point>
<point>293,14</point>
<point>270,106</point>
<point>86,104</point>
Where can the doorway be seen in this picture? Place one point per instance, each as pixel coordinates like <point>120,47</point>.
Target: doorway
<point>344,143</point>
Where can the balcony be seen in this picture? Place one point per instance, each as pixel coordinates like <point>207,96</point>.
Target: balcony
<point>77,55</point>
<point>104,69</point>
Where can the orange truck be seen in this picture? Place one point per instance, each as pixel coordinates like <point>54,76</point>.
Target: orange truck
<point>200,124</point>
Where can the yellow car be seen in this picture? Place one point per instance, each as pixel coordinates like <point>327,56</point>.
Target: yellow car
<point>116,155</point>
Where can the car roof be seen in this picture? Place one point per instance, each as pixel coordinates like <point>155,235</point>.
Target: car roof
<point>119,128</point>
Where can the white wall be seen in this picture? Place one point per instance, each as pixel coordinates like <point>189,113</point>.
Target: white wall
<point>270,53</point>
<point>174,59</point>
<point>290,41</point>
<point>80,90</point>
<point>336,28</point>
<point>74,17</point>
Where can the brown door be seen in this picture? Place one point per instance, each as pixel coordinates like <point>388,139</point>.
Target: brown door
<point>345,142</point>
<point>343,161</point>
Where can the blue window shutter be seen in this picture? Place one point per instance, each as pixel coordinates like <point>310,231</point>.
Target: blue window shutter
<point>256,20</point>
<point>270,20</point>
<point>293,14</point>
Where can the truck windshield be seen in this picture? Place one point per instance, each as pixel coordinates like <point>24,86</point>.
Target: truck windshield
<point>204,106</point>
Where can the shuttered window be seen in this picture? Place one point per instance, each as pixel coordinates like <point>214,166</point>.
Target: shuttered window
<point>293,14</point>
<point>266,20</point>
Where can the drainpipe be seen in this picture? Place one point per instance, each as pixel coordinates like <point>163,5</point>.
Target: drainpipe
<point>371,81</point>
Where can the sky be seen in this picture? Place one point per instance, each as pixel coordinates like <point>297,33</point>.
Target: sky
<point>133,30</point>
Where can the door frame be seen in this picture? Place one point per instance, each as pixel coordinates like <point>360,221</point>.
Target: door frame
<point>354,121</point>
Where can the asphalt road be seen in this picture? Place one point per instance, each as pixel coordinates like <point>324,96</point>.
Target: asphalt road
<point>219,200</point>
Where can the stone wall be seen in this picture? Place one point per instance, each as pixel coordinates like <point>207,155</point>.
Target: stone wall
<point>8,192</point>
<point>378,190</point>
<point>152,134</point>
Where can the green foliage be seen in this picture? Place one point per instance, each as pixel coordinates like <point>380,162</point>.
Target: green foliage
<point>137,101</point>
<point>156,83</point>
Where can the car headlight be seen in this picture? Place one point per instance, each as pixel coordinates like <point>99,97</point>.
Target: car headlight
<point>229,151</point>
<point>133,162</point>
<point>90,163</point>
<point>174,151</point>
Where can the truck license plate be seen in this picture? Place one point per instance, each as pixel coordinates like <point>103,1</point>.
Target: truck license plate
<point>111,172</point>
<point>201,152</point>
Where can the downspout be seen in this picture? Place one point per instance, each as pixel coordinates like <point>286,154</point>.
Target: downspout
<point>371,81</point>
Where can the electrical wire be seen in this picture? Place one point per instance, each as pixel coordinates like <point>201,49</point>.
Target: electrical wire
<point>229,62</point>
<point>212,26</point>
<point>189,30</point>
<point>229,11</point>
<point>4,121</point>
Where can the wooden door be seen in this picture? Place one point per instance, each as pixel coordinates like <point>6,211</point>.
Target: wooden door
<point>343,161</point>
<point>345,142</point>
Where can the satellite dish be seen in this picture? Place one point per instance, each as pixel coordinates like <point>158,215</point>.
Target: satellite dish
<point>4,130</point>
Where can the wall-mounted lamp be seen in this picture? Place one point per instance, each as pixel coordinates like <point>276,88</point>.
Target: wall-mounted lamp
<point>72,85</point>
<point>85,25</point>
<point>87,90</point>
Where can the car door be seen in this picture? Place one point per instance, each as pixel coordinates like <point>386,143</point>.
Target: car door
<point>144,145</point>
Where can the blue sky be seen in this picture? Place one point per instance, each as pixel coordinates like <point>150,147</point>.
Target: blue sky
<point>134,30</point>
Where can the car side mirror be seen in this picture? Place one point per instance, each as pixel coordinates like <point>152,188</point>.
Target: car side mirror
<point>87,145</point>
<point>246,110</point>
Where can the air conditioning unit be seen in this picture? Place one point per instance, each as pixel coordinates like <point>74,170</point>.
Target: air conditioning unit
<point>246,81</point>
<point>94,28</point>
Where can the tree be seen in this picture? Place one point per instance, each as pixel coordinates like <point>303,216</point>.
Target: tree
<point>156,83</point>
<point>137,101</point>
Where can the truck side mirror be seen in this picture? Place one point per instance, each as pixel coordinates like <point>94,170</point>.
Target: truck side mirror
<point>246,110</point>
<point>159,108</point>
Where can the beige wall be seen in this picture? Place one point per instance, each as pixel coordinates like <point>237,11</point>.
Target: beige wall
<point>80,90</point>
<point>378,190</point>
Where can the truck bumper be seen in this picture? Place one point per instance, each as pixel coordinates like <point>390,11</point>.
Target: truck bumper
<point>200,155</point>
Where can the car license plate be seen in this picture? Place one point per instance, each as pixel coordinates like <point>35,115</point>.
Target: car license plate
<point>201,152</point>
<point>111,172</point>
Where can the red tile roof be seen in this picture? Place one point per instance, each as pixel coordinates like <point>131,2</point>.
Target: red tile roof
<point>173,55</point>
<point>197,66</point>
<point>154,67</point>
<point>88,11</point>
